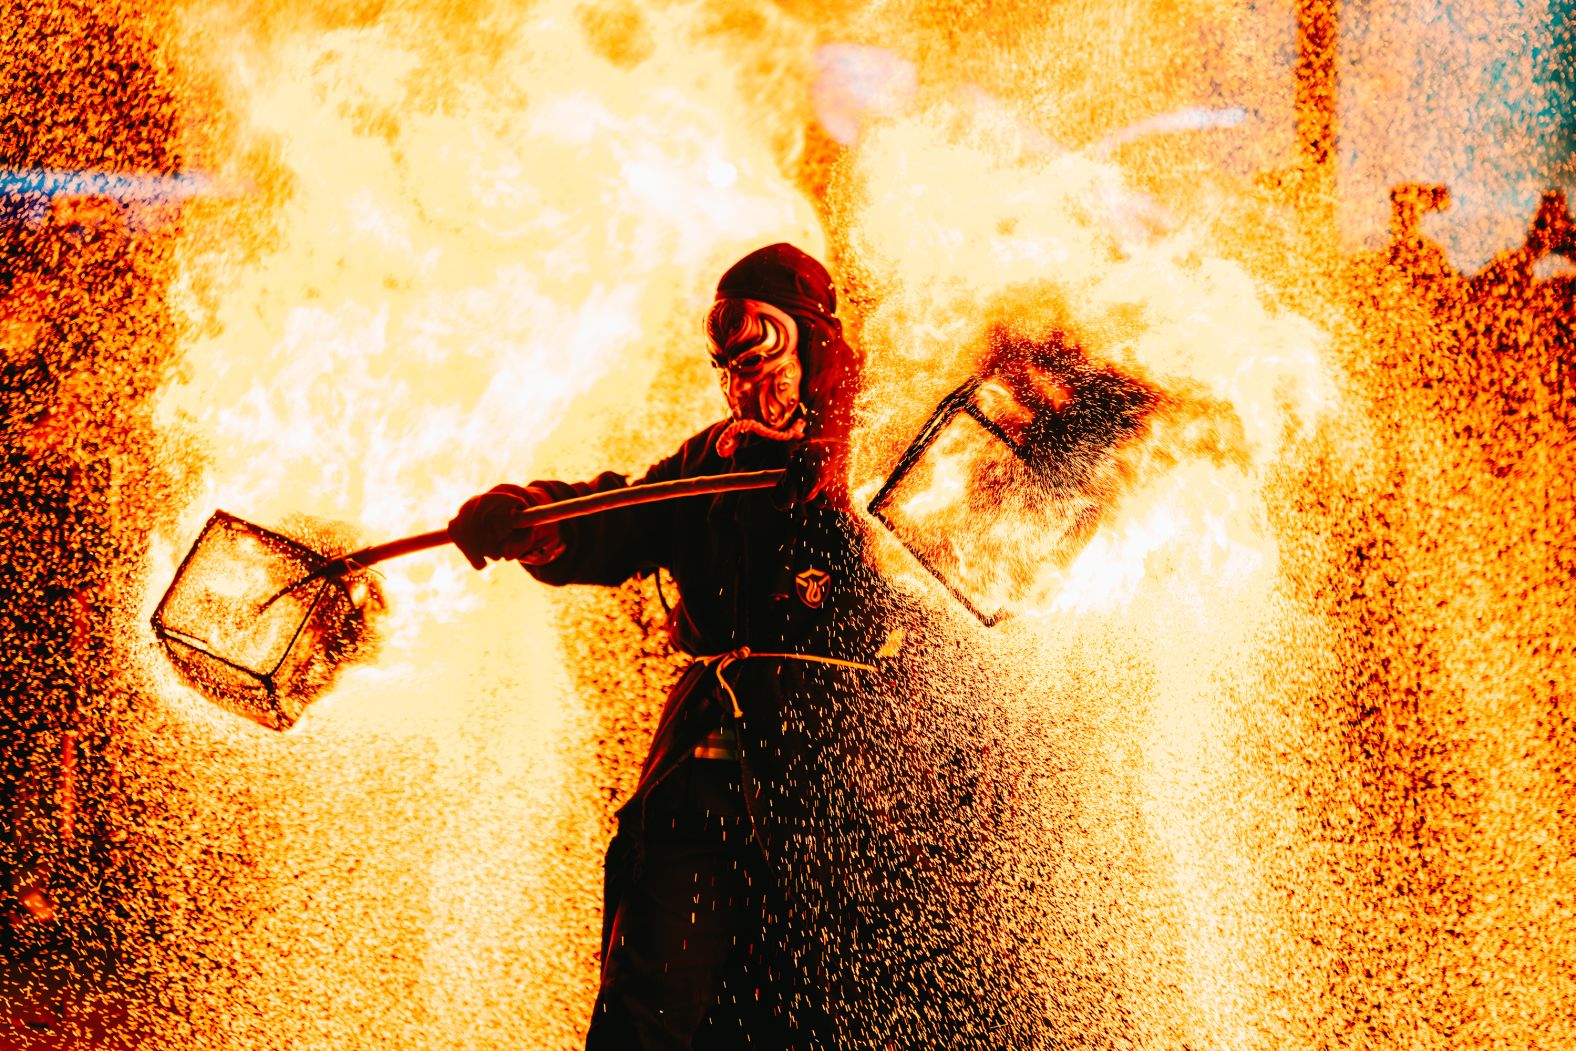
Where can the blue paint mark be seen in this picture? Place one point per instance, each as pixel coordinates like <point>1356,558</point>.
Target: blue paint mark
<point>25,193</point>
<point>121,186</point>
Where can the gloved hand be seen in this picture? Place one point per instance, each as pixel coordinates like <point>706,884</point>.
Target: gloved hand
<point>484,529</point>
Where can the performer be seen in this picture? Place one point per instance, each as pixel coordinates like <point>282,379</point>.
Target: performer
<point>724,855</point>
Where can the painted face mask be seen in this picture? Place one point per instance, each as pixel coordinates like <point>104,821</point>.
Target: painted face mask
<point>754,347</point>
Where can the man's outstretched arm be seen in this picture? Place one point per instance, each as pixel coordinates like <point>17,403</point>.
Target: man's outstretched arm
<point>605,548</point>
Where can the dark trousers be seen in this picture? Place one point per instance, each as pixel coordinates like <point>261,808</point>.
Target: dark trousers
<point>684,906</point>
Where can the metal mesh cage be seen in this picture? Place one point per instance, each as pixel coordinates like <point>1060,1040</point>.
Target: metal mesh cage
<point>265,660</point>
<point>1013,473</point>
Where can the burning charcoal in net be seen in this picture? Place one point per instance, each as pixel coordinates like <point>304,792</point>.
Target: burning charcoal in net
<point>265,660</point>
<point>1015,471</point>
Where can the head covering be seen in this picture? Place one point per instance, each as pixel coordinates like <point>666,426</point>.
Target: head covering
<point>796,283</point>
<point>783,276</point>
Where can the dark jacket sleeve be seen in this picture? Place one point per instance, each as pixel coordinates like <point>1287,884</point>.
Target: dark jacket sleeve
<point>611,547</point>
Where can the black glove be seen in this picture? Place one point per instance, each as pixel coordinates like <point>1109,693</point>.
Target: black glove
<point>484,529</point>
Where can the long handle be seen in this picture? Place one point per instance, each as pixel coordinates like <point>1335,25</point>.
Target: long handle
<point>562,510</point>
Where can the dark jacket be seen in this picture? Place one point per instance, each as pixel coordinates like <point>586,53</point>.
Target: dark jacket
<point>748,575</point>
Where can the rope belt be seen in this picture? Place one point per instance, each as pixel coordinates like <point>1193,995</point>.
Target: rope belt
<point>720,662</point>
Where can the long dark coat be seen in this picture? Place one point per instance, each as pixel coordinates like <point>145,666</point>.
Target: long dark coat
<point>748,575</point>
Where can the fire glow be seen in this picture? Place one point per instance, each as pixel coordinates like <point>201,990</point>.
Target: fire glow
<point>466,245</point>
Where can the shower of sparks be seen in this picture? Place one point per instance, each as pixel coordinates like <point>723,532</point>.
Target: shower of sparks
<point>1276,756</point>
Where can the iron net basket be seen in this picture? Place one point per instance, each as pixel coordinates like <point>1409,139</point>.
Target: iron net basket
<point>236,630</point>
<point>1014,472</point>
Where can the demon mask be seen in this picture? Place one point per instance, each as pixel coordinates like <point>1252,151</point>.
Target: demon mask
<point>755,349</point>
